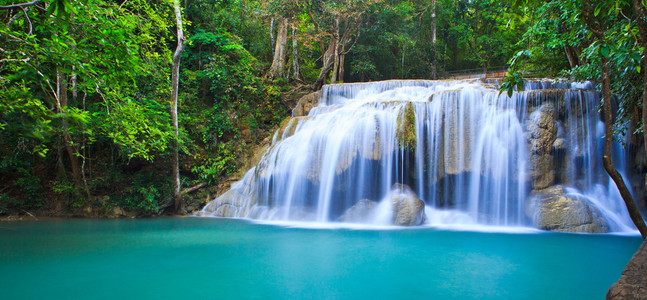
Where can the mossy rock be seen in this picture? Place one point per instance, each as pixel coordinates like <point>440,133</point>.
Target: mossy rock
<point>406,133</point>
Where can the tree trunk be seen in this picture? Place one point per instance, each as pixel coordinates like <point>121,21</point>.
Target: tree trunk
<point>432,25</point>
<point>277,70</point>
<point>335,68</point>
<point>607,160</point>
<point>342,58</point>
<point>72,151</point>
<point>402,62</point>
<point>327,64</point>
<point>433,74</point>
<point>571,54</point>
<point>295,51</point>
<point>641,20</point>
<point>175,81</point>
<point>272,32</point>
<point>316,24</point>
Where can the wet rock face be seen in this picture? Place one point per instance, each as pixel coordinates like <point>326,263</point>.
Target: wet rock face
<point>228,205</point>
<point>633,282</point>
<point>555,210</point>
<point>236,202</point>
<point>360,212</point>
<point>307,103</point>
<point>542,140</point>
<point>408,210</point>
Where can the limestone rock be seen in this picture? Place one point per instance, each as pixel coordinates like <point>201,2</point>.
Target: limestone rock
<point>289,126</point>
<point>117,212</point>
<point>230,204</point>
<point>542,136</point>
<point>236,202</point>
<point>555,210</point>
<point>307,103</point>
<point>456,136</point>
<point>83,212</point>
<point>559,144</point>
<point>408,210</point>
<point>371,148</point>
<point>633,282</point>
<point>358,212</point>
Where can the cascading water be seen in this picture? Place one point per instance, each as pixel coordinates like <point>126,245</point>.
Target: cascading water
<point>473,156</point>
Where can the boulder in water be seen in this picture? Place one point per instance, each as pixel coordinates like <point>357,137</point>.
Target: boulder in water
<point>360,212</point>
<point>408,210</point>
<point>555,210</point>
<point>633,282</point>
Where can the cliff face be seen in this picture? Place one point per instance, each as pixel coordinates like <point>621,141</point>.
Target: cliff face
<point>633,282</point>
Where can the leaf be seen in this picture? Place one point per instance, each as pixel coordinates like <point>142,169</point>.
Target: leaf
<point>604,51</point>
<point>597,9</point>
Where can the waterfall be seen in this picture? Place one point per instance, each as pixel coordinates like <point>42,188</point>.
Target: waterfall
<point>471,155</point>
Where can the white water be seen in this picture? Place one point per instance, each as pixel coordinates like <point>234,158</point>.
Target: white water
<point>470,164</point>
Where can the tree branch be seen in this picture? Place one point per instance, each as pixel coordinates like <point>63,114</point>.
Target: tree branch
<point>20,5</point>
<point>193,188</point>
<point>28,19</point>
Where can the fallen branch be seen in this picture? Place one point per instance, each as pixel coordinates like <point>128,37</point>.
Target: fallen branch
<point>29,214</point>
<point>193,188</point>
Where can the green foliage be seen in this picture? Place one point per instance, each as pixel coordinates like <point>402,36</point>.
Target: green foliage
<point>222,164</point>
<point>234,101</point>
<point>514,79</point>
<point>136,135</point>
<point>145,194</point>
<point>6,202</point>
<point>66,189</point>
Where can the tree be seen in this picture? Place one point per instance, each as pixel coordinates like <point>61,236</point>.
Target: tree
<point>277,70</point>
<point>76,77</point>
<point>343,20</point>
<point>175,82</point>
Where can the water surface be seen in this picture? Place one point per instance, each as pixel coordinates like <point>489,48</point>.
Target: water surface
<point>233,259</point>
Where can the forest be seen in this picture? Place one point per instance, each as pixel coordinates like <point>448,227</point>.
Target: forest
<point>91,118</point>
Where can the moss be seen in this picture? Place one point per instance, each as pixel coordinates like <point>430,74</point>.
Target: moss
<point>406,133</point>
<point>284,125</point>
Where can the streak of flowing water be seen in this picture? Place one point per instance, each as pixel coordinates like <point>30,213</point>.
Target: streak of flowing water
<point>461,147</point>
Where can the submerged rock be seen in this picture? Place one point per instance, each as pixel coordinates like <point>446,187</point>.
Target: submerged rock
<point>555,210</point>
<point>408,210</point>
<point>360,212</point>
<point>633,282</point>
